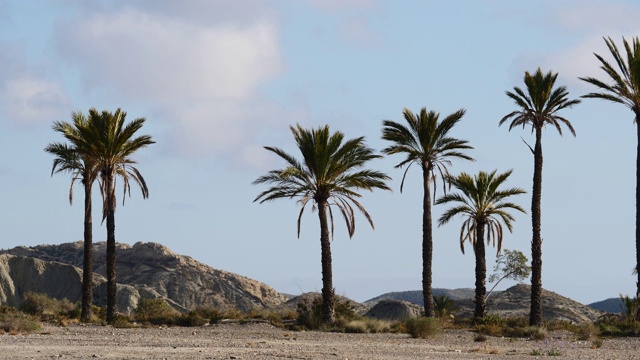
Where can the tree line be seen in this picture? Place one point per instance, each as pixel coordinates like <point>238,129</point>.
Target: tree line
<point>333,171</point>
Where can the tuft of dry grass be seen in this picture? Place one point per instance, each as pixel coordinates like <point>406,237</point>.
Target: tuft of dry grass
<point>422,327</point>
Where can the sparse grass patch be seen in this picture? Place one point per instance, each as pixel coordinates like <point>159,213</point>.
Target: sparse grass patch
<point>422,327</point>
<point>537,333</point>
<point>356,326</point>
<point>123,322</point>
<point>586,331</point>
<point>512,327</point>
<point>15,322</point>
<point>367,325</point>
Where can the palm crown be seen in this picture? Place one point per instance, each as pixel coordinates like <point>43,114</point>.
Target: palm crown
<point>68,158</point>
<point>540,104</point>
<point>625,88</point>
<point>481,203</point>
<point>110,143</point>
<point>330,170</point>
<point>425,141</point>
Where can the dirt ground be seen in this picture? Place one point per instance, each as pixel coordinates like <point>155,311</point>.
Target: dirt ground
<point>263,341</point>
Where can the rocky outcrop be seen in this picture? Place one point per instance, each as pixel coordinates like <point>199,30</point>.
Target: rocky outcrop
<point>20,275</point>
<point>393,310</point>
<point>151,270</point>
<point>516,301</point>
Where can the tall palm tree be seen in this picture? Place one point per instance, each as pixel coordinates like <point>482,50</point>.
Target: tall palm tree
<point>109,142</point>
<point>624,88</point>
<point>484,206</point>
<point>330,174</point>
<point>538,107</point>
<point>428,143</point>
<point>68,158</point>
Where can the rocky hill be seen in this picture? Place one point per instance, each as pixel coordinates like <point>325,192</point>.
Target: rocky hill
<point>516,301</point>
<point>147,270</point>
<point>611,305</point>
<point>416,297</point>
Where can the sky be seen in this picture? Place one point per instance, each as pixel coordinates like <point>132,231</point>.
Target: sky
<point>218,80</point>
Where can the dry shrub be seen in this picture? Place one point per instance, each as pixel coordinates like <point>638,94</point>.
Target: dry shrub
<point>14,322</point>
<point>155,311</point>
<point>367,325</point>
<point>586,331</point>
<point>537,333</point>
<point>356,326</point>
<point>48,308</point>
<point>597,343</point>
<point>422,327</point>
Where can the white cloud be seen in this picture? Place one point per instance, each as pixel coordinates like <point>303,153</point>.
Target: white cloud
<point>203,76</point>
<point>154,59</point>
<point>31,100</point>
<point>598,17</point>
<point>590,22</point>
<point>341,5</point>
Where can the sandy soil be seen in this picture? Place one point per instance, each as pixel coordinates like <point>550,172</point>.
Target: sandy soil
<point>263,341</point>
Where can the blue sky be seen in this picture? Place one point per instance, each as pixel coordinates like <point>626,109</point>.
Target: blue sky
<point>217,80</point>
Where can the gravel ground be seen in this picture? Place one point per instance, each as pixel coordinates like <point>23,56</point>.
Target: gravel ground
<point>263,341</point>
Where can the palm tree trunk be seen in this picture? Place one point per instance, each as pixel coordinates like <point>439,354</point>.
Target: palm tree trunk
<point>535,315</point>
<point>87,265</point>
<point>111,249</point>
<point>481,273</point>
<point>427,244</point>
<point>328,310</point>
<point>637,113</point>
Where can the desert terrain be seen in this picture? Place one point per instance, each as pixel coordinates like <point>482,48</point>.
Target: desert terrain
<point>264,341</point>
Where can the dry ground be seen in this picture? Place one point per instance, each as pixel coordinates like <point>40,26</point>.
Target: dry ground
<point>263,341</point>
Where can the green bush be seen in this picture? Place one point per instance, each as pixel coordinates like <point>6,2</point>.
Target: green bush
<point>155,311</point>
<point>421,327</point>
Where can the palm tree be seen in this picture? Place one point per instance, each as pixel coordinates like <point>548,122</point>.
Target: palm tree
<point>624,89</point>
<point>538,107</point>
<point>330,174</point>
<point>82,168</point>
<point>426,142</point>
<point>483,205</point>
<point>108,142</point>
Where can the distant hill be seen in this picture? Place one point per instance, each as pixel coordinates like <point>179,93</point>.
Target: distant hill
<point>415,296</point>
<point>611,305</point>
